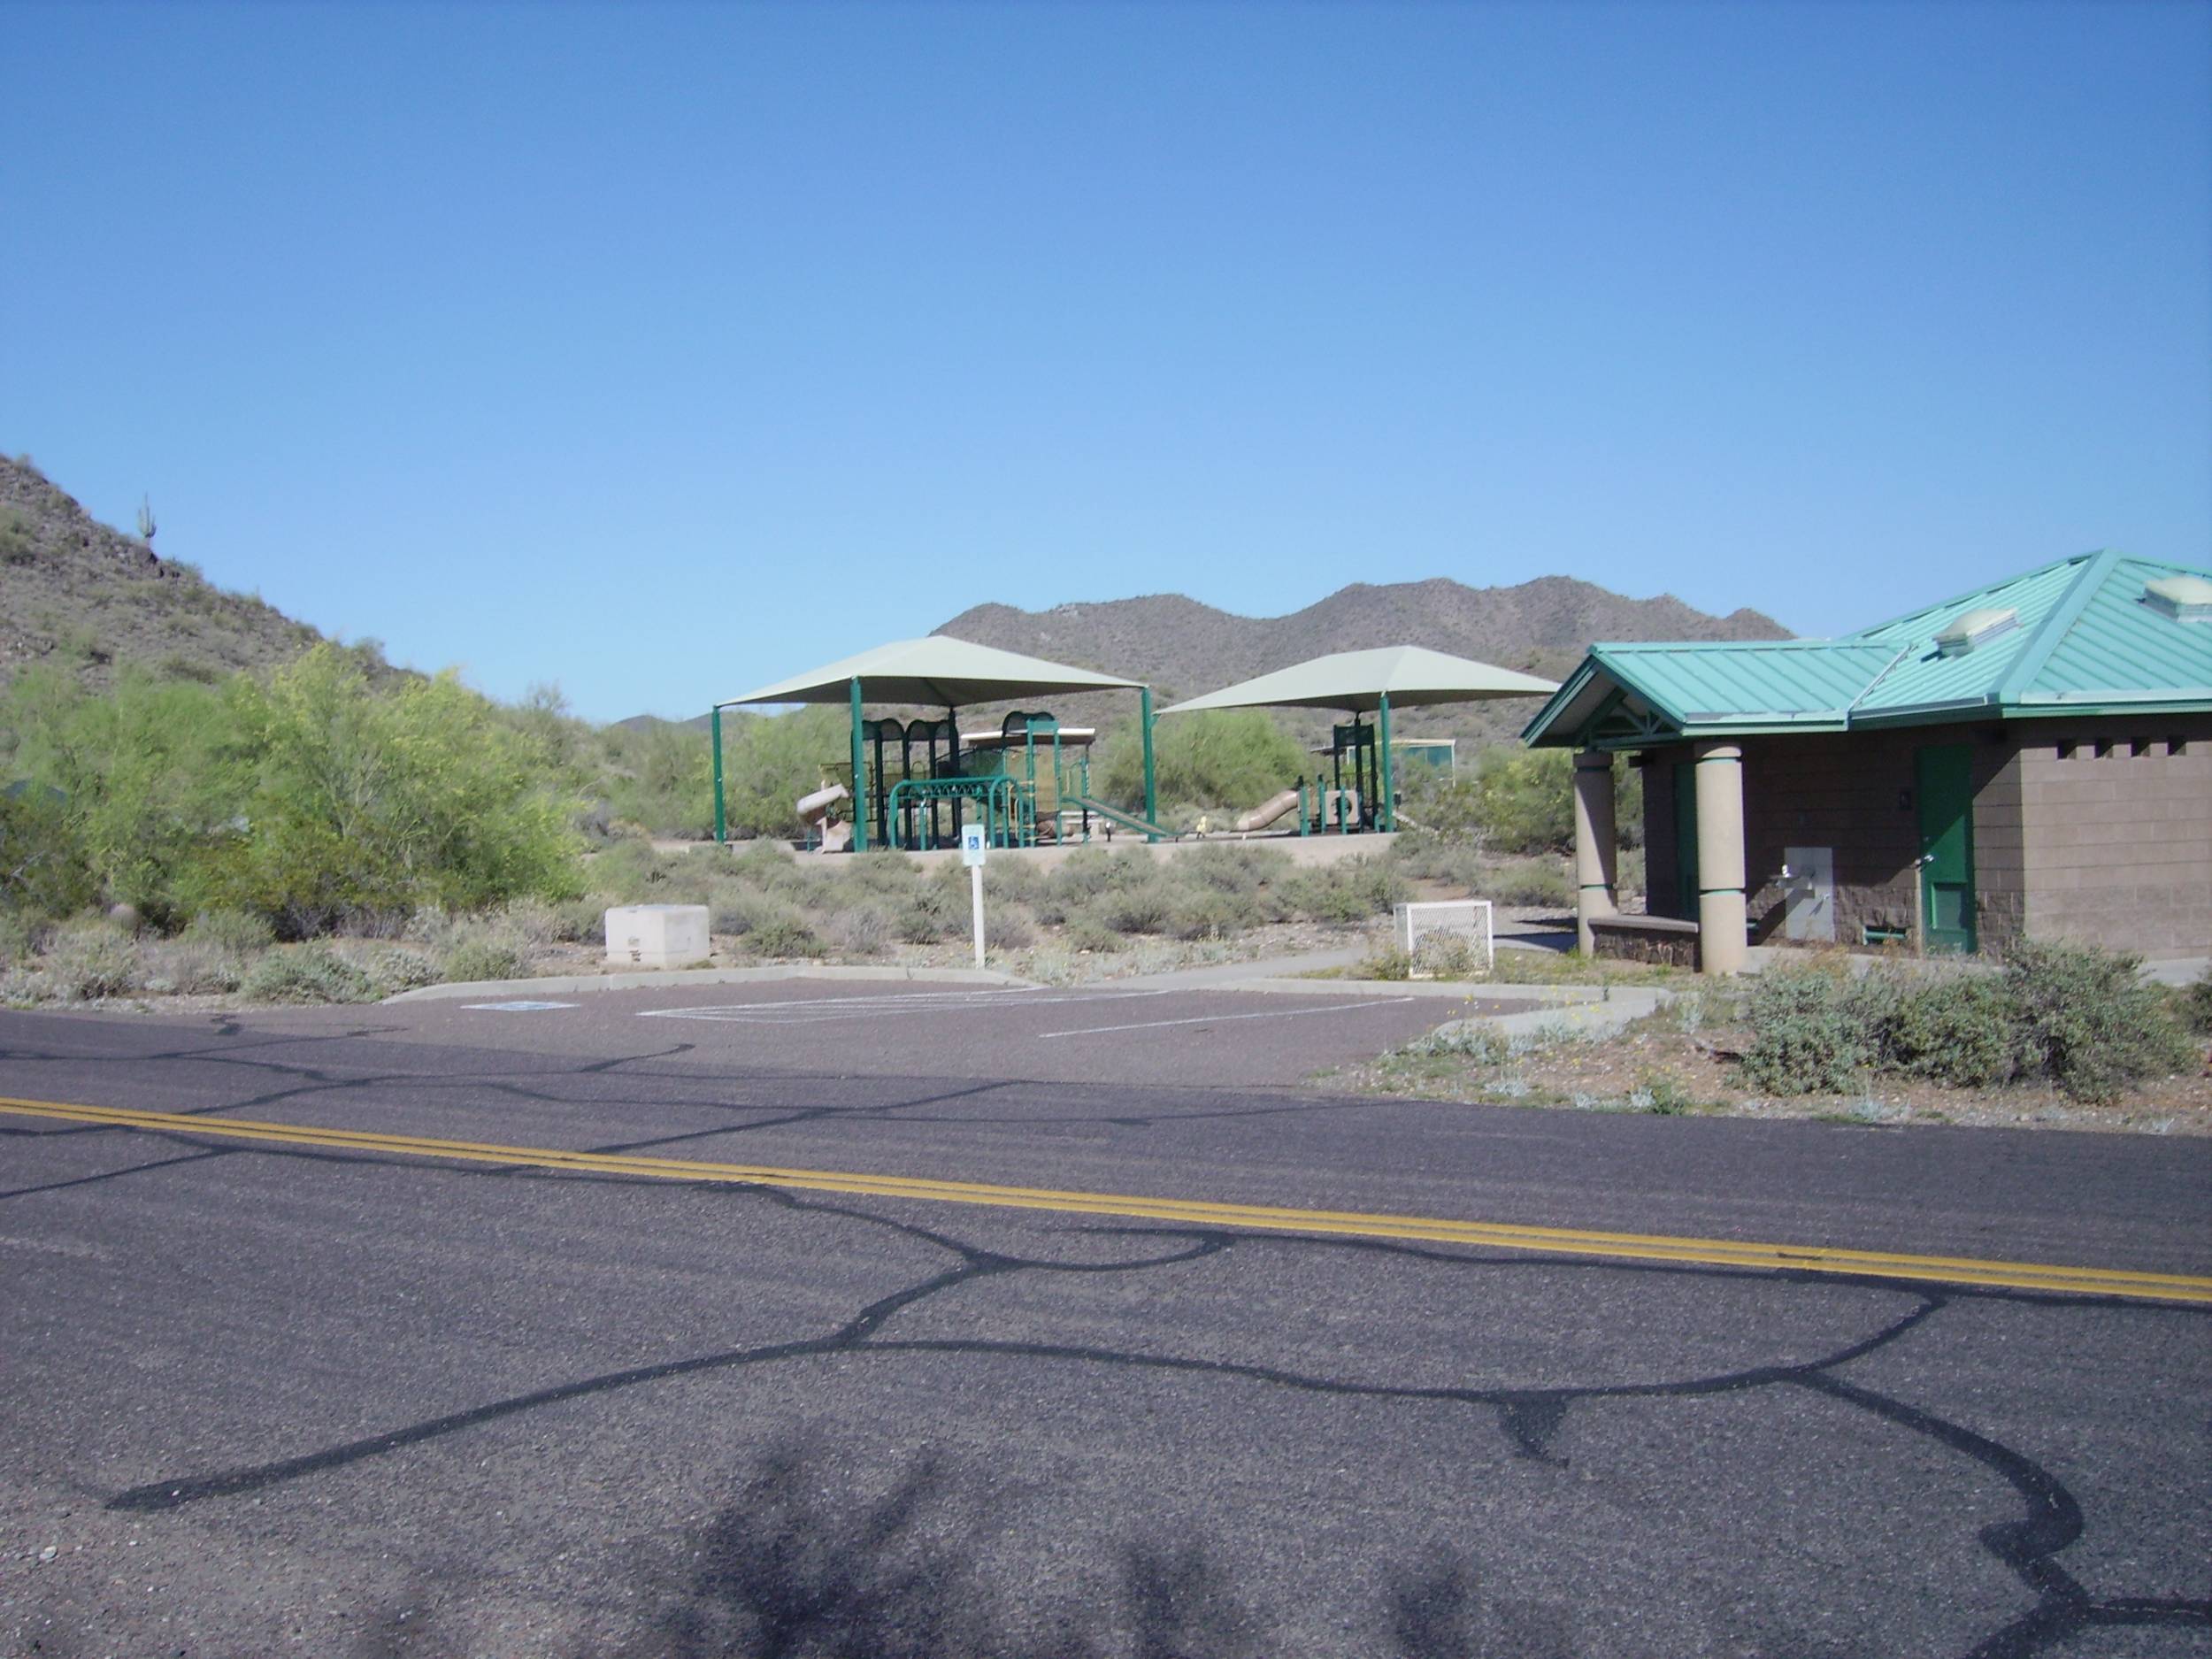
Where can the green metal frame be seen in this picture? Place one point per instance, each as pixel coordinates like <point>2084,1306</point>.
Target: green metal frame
<point>1386,810</point>
<point>860,778</point>
<point>721,824</point>
<point>954,774</point>
<point>1151,784</point>
<point>1000,797</point>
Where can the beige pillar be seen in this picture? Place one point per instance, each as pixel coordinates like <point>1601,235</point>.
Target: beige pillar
<point>1720,862</point>
<point>1596,892</point>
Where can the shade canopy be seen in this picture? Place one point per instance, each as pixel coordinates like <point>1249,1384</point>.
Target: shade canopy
<point>1357,681</point>
<point>938,672</point>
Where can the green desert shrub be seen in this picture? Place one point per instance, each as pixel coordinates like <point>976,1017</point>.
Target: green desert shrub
<point>1958,1029</point>
<point>486,954</point>
<point>2072,1015</point>
<point>1808,1034</point>
<point>1244,874</point>
<point>741,912</point>
<point>787,936</point>
<point>1387,961</point>
<point>1350,890</point>
<point>185,966</point>
<point>1086,932</point>
<point>582,921</point>
<point>1526,881</point>
<point>43,869</point>
<point>931,911</point>
<point>2196,1004</point>
<point>2087,1022</point>
<point>240,933</point>
<point>859,929</point>
<point>1206,913</point>
<point>90,960</point>
<point>1522,801</point>
<point>1012,881</point>
<point>768,762</point>
<point>19,937</point>
<point>1446,957</point>
<point>305,973</point>
<point>1428,855</point>
<point>888,874</point>
<point>396,968</point>
<point>1231,758</point>
<point>1145,906</point>
<point>1009,928</point>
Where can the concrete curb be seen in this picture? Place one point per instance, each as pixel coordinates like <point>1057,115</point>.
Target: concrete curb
<point>1462,990</point>
<point>580,984</point>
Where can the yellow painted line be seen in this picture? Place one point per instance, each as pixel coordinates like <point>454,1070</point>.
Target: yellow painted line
<point>1642,1247</point>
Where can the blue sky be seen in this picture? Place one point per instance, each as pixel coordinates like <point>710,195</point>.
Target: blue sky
<point>664,351</point>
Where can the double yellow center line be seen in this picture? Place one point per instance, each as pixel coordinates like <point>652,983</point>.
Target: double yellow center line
<point>1640,1247</point>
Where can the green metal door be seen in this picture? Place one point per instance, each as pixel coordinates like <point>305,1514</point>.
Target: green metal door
<point>1944,789</point>
<point>1686,840</point>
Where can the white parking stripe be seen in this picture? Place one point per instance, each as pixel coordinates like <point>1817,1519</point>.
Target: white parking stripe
<point>824,1009</point>
<point>1216,1019</point>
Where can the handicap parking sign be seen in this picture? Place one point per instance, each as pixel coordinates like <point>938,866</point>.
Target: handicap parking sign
<point>971,844</point>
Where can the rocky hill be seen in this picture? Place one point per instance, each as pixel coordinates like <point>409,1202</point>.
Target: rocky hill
<point>1182,647</point>
<point>76,593</point>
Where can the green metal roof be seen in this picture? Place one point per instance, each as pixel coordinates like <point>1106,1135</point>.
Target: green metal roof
<point>938,672</point>
<point>2073,636</point>
<point>1410,675</point>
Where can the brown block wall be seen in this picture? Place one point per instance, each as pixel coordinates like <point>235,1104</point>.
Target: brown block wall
<point>2093,830</point>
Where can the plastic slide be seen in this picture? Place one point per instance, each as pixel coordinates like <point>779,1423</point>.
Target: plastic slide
<point>1260,817</point>
<point>814,808</point>
<point>1115,815</point>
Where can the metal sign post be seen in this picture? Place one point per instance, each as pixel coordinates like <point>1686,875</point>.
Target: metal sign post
<point>973,847</point>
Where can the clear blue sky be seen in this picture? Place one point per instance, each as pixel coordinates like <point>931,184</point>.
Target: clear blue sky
<point>661,352</point>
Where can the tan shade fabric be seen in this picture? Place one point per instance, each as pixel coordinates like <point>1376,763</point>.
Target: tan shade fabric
<point>938,672</point>
<point>1356,681</point>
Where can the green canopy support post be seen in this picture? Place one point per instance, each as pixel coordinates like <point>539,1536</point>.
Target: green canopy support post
<point>721,824</point>
<point>1151,781</point>
<point>860,779</point>
<point>952,766</point>
<point>1387,819</point>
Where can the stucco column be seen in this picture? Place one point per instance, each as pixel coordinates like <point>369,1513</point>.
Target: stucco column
<point>1595,849</point>
<point>1720,861</point>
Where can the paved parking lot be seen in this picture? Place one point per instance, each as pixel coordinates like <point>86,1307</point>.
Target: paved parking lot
<point>1183,1037</point>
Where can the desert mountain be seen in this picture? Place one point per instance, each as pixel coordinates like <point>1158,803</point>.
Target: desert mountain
<point>1182,647</point>
<point>75,592</point>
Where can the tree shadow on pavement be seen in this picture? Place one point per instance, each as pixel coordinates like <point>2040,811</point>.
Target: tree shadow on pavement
<point>801,1565</point>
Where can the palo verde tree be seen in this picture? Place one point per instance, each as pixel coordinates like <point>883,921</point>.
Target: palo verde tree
<point>360,802</point>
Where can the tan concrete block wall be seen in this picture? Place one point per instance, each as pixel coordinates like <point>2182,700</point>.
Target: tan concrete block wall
<point>2118,844</point>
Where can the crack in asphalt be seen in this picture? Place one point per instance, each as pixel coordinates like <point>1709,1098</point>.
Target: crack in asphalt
<point>2050,1522</point>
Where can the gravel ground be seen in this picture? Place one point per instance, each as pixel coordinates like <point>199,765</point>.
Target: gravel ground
<point>1651,1068</point>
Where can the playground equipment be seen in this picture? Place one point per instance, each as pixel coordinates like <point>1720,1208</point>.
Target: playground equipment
<point>814,812</point>
<point>911,783</point>
<point>1048,769</point>
<point>1268,810</point>
<point>1364,682</point>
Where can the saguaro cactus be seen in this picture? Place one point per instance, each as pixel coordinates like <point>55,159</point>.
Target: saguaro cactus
<point>146,526</point>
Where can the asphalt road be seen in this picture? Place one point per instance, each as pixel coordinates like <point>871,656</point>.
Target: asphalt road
<point>261,1399</point>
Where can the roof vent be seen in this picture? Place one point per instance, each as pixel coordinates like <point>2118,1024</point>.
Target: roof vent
<point>2183,598</point>
<point>1975,627</point>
